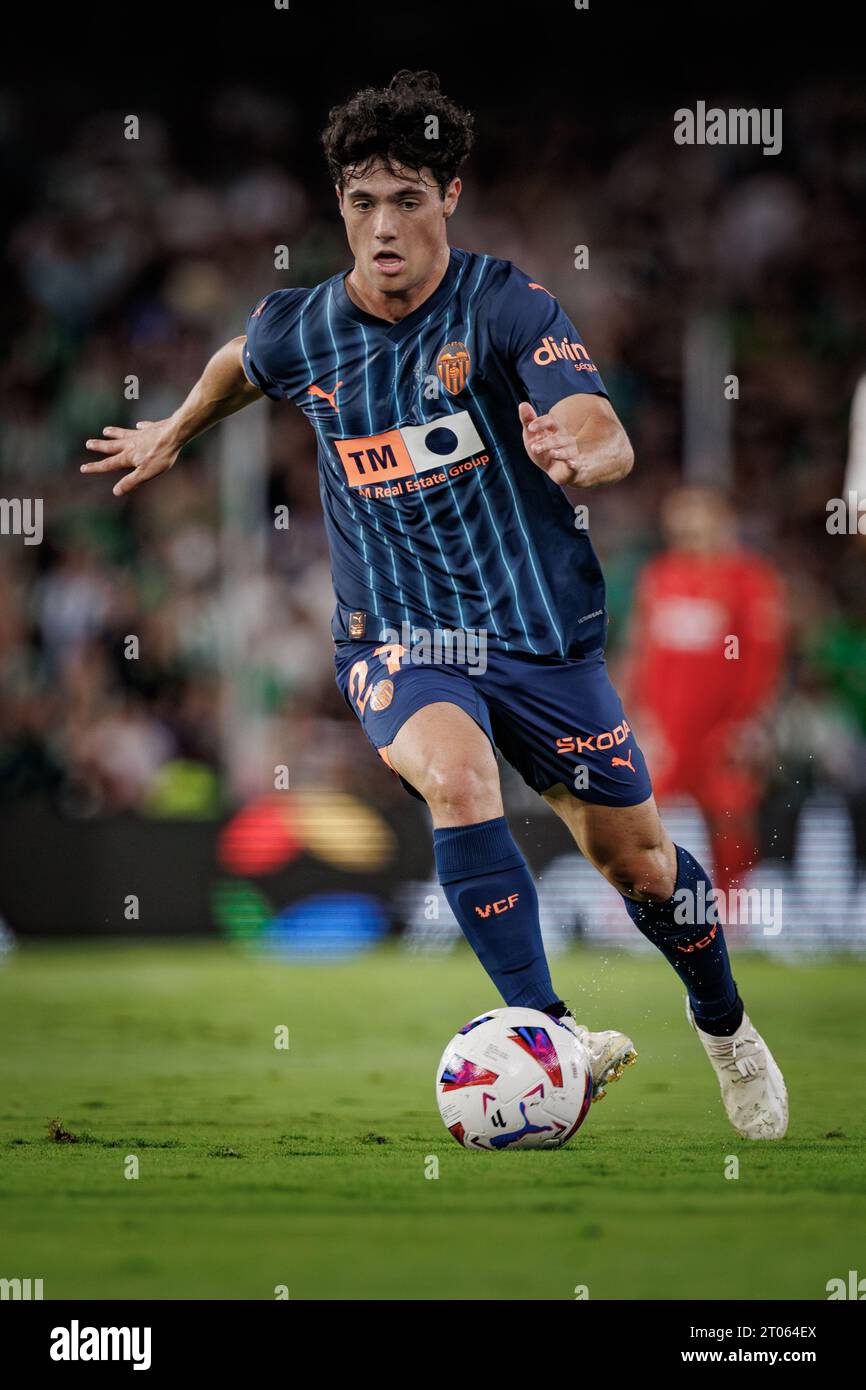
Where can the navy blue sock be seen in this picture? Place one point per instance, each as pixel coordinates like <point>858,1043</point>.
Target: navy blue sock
<point>687,932</point>
<point>492,895</point>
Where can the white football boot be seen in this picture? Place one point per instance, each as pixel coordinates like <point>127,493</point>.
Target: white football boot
<point>752,1086</point>
<point>609,1054</point>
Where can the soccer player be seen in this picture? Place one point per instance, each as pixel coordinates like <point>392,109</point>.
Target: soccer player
<point>452,400</point>
<point>690,600</point>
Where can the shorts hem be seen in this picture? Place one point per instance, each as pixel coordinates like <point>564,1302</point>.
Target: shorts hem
<point>600,799</point>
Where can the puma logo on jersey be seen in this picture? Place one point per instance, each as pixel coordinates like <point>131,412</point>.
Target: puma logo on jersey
<point>623,762</point>
<point>329,396</point>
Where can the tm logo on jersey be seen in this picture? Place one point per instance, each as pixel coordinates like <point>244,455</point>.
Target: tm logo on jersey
<point>412,457</point>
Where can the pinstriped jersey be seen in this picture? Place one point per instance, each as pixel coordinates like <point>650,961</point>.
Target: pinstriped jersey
<point>435,514</point>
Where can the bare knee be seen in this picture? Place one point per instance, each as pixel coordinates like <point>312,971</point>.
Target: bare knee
<point>459,793</point>
<point>647,873</point>
<point>629,845</point>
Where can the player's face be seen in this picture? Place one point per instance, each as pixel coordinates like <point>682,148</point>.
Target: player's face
<point>395,224</point>
<point>697,519</point>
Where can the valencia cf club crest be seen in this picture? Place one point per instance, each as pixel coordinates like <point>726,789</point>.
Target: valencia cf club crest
<point>453,366</point>
<point>383,694</point>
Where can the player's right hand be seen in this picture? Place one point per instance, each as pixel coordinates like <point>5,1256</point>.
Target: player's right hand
<point>148,450</point>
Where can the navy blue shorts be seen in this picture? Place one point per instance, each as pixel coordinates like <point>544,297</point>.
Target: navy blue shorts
<point>554,719</point>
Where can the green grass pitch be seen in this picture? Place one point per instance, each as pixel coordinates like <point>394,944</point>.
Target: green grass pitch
<point>306,1168</point>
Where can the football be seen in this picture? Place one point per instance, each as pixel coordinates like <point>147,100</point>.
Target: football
<point>513,1079</point>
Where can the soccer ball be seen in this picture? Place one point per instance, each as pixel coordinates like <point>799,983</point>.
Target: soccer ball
<point>514,1079</point>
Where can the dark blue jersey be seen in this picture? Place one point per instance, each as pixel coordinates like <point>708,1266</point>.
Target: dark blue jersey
<point>435,514</point>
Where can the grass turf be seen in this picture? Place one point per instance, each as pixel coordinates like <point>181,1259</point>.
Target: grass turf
<point>306,1168</point>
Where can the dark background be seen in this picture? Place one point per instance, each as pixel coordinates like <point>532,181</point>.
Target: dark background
<point>142,256</point>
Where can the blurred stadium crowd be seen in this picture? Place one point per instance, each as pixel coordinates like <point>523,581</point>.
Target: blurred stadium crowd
<point>140,257</point>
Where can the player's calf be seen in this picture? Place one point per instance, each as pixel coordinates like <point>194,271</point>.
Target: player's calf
<point>662,886</point>
<point>449,759</point>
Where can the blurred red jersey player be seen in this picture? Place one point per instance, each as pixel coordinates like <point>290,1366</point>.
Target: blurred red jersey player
<point>706,648</point>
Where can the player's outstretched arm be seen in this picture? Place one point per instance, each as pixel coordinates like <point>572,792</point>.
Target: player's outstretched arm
<point>579,442</point>
<point>152,447</point>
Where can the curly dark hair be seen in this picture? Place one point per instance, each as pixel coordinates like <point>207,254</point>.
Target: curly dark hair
<point>389,124</point>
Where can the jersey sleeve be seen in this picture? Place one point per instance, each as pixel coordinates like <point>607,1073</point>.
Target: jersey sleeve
<point>268,349</point>
<point>542,345</point>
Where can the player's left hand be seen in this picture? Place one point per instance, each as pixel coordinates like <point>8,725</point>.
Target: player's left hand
<point>555,451</point>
